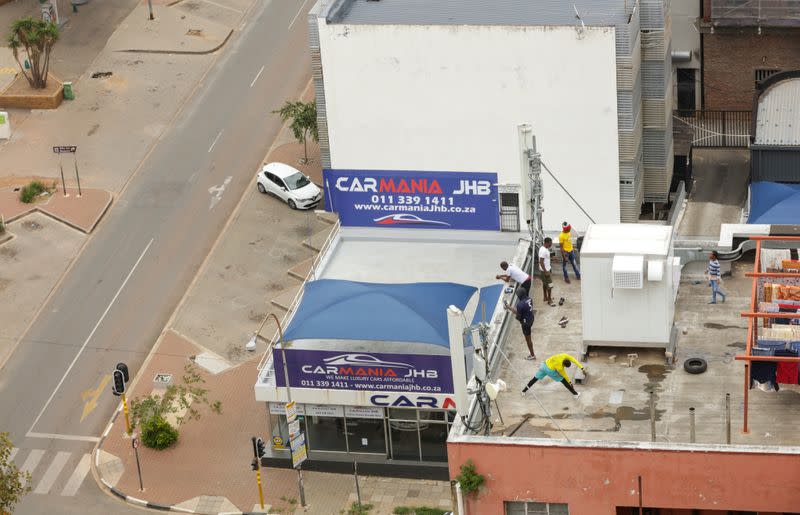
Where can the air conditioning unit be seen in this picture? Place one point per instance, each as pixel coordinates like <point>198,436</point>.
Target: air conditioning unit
<point>628,272</point>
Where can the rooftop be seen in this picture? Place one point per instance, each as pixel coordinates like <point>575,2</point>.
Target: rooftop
<point>474,12</point>
<point>614,405</point>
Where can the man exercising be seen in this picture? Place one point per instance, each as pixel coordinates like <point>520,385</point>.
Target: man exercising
<point>553,367</point>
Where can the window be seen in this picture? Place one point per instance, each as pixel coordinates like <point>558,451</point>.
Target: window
<point>325,433</point>
<point>509,212</point>
<point>763,74</point>
<point>535,508</point>
<point>686,89</point>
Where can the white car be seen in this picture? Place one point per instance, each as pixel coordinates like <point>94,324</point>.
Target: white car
<point>289,185</point>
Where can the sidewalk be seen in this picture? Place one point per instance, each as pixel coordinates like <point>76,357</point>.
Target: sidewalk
<point>208,469</point>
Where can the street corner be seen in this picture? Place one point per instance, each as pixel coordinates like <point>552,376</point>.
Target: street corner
<point>172,31</point>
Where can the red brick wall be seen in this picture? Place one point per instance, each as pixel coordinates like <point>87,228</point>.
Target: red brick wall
<point>731,58</point>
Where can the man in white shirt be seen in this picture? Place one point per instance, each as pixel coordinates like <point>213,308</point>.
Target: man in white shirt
<point>545,268</point>
<point>515,273</point>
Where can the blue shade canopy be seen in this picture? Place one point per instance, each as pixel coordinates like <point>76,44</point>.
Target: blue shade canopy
<point>774,203</point>
<point>489,296</point>
<point>348,310</point>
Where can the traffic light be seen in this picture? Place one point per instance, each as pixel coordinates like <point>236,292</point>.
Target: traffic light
<point>122,367</point>
<point>254,464</point>
<point>260,450</point>
<point>119,383</point>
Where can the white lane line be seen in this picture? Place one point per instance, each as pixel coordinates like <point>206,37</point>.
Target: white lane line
<point>52,472</point>
<point>14,452</point>
<point>223,6</point>
<point>297,15</point>
<point>76,479</point>
<point>257,76</point>
<point>85,343</point>
<point>215,141</point>
<point>33,459</point>
<point>54,436</point>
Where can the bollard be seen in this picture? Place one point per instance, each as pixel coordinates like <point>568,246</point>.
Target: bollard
<point>652,416</point>
<point>728,418</point>
<point>691,425</point>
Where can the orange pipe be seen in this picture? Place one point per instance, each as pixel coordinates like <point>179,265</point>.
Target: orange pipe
<point>772,274</point>
<point>774,238</point>
<point>770,315</point>
<point>788,359</point>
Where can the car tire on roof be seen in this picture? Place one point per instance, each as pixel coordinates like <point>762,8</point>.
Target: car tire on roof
<point>261,188</point>
<point>695,365</point>
<point>292,204</point>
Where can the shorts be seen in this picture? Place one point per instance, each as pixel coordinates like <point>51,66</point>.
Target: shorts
<point>547,280</point>
<point>526,285</point>
<point>545,371</point>
<point>526,328</point>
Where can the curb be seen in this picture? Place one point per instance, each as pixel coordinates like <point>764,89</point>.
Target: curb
<point>181,52</point>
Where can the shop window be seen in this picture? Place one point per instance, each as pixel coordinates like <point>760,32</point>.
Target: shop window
<point>405,439</point>
<point>366,435</point>
<point>433,440</point>
<point>325,433</point>
<point>535,508</point>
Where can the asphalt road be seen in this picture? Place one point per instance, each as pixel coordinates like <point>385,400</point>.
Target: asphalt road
<point>118,296</point>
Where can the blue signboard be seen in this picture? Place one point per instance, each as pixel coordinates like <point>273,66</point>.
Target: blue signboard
<point>366,371</point>
<point>431,200</point>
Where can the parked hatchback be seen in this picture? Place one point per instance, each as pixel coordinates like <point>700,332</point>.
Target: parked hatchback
<point>289,185</point>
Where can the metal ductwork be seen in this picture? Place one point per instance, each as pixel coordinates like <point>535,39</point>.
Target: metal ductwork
<point>681,56</point>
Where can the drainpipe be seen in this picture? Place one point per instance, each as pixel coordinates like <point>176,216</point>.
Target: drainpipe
<point>462,509</point>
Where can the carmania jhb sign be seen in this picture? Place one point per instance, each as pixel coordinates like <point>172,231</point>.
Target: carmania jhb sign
<point>430,200</point>
<point>401,380</point>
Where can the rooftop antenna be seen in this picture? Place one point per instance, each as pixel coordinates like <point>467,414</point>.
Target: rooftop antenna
<point>581,31</point>
<point>532,183</point>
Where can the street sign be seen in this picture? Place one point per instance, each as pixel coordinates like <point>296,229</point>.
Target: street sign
<point>298,446</point>
<point>69,149</point>
<point>291,412</point>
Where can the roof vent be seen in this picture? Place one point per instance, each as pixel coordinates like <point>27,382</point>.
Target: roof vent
<point>628,272</point>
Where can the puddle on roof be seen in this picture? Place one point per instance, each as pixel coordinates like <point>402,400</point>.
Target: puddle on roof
<point>713,325</point>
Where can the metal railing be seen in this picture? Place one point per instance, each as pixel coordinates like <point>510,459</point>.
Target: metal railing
<point>311,275</point>
<point>752,13</point>
<point>716,128</point>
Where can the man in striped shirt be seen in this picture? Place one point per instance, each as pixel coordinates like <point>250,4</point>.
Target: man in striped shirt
<point>714,277</point>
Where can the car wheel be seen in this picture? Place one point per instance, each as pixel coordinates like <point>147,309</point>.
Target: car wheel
<point>261,188</point>
<point>292,204</point>
<point>695,365</point>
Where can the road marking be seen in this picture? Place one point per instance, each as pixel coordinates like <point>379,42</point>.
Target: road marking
<point>85,343</point>
<point>296,15</point>
<point>14,452</point>
<point>52,472</point>
<point>55,436</point>
<point>215,141</point>
<point>217,191</point>
<point>223,6</point>
<point>257,76</point>
<point>32,461</point>
<point>90,396</point>
<point>76,479</point>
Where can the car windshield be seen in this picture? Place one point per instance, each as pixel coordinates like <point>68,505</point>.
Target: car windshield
<point>296,181</point>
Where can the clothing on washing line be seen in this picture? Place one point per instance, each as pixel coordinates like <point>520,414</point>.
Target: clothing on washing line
<point>786,373</point>
<point>763,372</point>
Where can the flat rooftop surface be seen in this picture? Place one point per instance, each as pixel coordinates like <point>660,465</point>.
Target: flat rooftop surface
<point>614,401</point>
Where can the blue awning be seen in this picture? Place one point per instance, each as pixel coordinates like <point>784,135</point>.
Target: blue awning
<point>347,310</point>
<point>774,203</point>
<point>489,296</point>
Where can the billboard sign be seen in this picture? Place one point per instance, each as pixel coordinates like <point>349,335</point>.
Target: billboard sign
<point>365,371</point>
<point>411,199</point>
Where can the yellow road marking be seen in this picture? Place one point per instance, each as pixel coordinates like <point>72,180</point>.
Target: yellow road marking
<point>9,70</point>
<point>89,397</point>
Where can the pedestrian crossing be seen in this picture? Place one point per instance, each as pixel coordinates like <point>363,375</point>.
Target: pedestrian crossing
<point>53,472</point>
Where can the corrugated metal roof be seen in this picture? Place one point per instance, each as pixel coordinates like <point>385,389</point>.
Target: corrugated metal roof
<point>778,117</point>
<point>478,12</point>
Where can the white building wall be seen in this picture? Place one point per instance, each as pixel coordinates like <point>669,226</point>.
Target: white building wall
<point>449,98</point>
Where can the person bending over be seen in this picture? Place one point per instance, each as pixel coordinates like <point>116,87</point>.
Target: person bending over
<point>553,367</point>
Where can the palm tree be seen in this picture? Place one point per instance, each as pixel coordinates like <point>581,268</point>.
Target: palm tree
<point>304,121</point>
<point>38,38</point>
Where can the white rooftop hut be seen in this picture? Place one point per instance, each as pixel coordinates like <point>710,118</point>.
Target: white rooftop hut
<point>629,284</point>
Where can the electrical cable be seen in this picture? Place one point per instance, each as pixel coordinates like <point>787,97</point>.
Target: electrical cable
<point>566,191</point>
<point>534,396</point>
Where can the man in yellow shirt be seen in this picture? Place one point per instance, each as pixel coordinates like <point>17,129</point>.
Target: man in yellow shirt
<point>553,367</point>
<point>567,251</point>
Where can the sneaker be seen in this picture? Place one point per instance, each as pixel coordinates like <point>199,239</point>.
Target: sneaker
<point>524,393</point>
<point>531,357</point>
<point>712,302</point>
<point>579,278</point>
<point>577,395</point>
<point>552,304</point>
<point>563,319</point>
<point>723,299</point>
<point>563,324</point>
<point>561,301</point>
<point>566,280</point>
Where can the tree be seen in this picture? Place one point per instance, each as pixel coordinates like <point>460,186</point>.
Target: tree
<point>14,483</point>
<point>37,37</point>
<point>303,116</point>
<point>150,412</point>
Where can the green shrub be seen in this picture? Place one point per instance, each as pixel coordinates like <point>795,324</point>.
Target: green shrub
<point>157,433</point>
<point>469,479</point>
<point>31,191</point>
<point>419,510</point>
<point>359,509</point>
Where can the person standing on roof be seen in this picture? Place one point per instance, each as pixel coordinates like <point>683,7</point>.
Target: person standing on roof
<point>514,272</point>
<point>553,367</point>
<point>714,277</point>
<point>567,251</point>
<point>524,313</point>
<point>545,268</point>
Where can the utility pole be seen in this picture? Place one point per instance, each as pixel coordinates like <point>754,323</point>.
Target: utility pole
<point>531,178</point>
